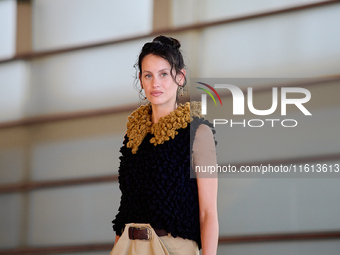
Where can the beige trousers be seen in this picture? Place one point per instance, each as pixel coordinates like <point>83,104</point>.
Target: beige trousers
<point>164,245</point>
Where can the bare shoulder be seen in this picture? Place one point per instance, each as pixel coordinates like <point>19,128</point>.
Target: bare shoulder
<point>204,130</point>
<point>204,137</point>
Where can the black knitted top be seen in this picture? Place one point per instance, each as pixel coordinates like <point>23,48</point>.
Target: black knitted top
<point>156,185</point>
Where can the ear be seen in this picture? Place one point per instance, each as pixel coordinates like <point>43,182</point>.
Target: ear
<point>181,77</point>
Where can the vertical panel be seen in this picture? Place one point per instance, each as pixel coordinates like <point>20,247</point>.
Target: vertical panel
<point>24,27</point>
<point>7,28</point>
<point>73,158</point>
<point>299,44</point>
<point>274,205</point>
<point>75,215</point>
<point>11,165</point>
<point>13,91</point>
<point>162,14</point>
<point>218,9</point>
<point>10,213</point>
<point>186,12</point>
<point>193,11</point>
<point>316,199</point>
<point>13,158</point>
<point>82,80</point>
<point>86,21</point>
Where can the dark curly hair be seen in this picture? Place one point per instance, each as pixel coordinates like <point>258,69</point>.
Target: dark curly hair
<point>166,48</point>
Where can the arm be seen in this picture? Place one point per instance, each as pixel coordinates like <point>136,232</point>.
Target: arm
<point>204,154</point>
<point>116,240</point>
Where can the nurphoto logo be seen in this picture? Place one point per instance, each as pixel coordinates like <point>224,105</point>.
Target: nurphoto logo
<point>239,104</point>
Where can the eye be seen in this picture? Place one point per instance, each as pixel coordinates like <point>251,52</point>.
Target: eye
<point>147,76</point>
<point>164,74</point>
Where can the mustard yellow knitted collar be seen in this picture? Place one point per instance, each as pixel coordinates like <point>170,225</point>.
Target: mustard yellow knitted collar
<point>140,124</point>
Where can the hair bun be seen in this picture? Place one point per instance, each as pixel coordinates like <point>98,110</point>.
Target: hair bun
<point>165,40</point>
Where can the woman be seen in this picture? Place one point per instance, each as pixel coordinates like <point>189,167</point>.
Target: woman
<point>162,209</point>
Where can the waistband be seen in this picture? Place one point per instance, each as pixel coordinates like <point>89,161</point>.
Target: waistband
<point>143,231</point>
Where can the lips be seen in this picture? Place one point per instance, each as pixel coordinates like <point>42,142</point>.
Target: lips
<point>156,93</point>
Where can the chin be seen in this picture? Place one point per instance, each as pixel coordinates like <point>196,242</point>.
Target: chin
<point>159,101</point>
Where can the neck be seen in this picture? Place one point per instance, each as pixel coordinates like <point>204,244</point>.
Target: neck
<point>159,111</point>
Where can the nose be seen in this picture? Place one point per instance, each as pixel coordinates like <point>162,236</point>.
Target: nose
<point>155,82</point>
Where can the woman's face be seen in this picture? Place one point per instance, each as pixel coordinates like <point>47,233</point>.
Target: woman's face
<point>157,81</point>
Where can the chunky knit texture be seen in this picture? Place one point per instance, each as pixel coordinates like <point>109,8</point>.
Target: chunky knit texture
<point>140,124</point>
<point>154,175</point>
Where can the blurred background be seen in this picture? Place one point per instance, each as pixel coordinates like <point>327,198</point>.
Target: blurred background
<point>67,87</point>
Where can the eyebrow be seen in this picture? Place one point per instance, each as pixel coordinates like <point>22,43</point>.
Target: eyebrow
<point>164,69</point>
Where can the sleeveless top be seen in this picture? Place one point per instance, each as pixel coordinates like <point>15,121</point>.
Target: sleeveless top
<point>154,172</point>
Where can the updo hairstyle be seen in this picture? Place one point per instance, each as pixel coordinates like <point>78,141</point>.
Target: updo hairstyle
<point>166,48</point>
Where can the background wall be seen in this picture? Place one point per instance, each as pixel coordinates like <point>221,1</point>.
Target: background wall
<point>67,87</point>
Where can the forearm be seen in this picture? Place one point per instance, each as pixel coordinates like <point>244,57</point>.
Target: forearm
<point>209,233</point>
